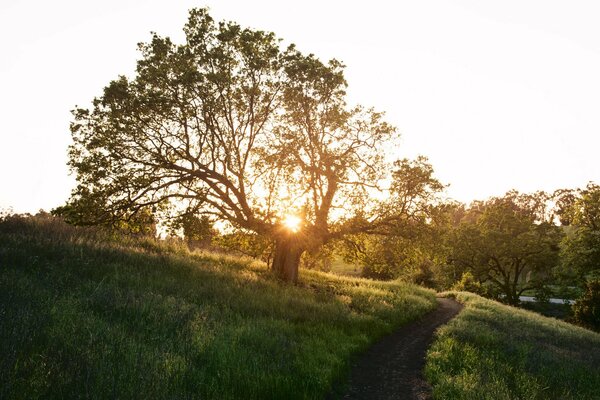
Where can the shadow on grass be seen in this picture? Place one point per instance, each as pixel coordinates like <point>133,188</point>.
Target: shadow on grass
<point>91,315</point>
<point>493,351</point>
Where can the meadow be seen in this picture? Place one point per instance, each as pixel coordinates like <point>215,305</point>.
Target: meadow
<point>493,351</point>
<point>86,313</point>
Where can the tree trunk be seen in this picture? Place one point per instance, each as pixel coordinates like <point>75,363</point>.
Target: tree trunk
<point>287,257</point>
<point>512,297</point>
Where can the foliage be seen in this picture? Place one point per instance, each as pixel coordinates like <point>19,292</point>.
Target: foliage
<point>542,293</point>
<point>580,249</point>
<point>492,351</point>
<point>468,283</point>
<point>5,212</point>
<point>320,260</point>
<point>245,243</point>
<point>142,221</point>
<point>586,310</point>
<point>233,126</point>
<point>89,314</point>
<point>564,199</point>
<point>504,239</point>
<point>586,207</point>
<point>410,247</point>
<point>392,257</point>
<point>197,231</point>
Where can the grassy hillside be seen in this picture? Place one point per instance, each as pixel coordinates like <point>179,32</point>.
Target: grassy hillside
<point>492,351</point>
<point>87,315</point>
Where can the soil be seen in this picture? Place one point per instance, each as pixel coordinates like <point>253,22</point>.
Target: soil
<point>393,367</point>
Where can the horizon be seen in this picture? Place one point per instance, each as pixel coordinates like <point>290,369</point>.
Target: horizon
<point>497,97</point>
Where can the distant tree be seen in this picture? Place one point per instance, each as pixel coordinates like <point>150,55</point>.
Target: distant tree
<point>412,253</point>
<point>143,223</point>
<point>505,239</point>
<point>586,207</point>
<point>197,230</point>
<point>6,212</point>
<point>580,250</point>
<point>468,283</point>
<point>319,259</point>
<point>564,199</point>
<point>410,246</point>
<point>231,125</point>
<point>245,243</point>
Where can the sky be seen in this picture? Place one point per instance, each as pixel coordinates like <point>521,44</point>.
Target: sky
<point>498,95</point>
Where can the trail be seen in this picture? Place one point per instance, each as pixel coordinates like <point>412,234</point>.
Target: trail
<point>393,367</point>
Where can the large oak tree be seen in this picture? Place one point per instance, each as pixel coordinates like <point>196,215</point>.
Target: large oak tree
<point>232,126</point>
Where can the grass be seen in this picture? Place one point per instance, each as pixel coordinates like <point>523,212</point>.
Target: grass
<point>493,351</point>
<point>84,314</point>
<point>341,267</point>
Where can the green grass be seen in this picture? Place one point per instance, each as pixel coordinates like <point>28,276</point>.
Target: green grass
<point>84,314</point>
<point>341,267</point>
<point>493,351</point>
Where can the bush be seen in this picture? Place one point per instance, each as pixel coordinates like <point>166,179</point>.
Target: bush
<point>586,310</point>
<point>467,283</point>
<point>542,293</point>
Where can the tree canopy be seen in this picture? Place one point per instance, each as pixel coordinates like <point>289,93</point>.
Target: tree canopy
<point>232,126</point>
<point>410,246</point>
<point>504,239</point>
<point>580,251</point>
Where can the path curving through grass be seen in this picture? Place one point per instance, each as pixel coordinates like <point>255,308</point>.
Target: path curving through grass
<point>393,367</point>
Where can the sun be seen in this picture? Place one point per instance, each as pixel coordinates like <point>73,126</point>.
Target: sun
<point>292,222</point>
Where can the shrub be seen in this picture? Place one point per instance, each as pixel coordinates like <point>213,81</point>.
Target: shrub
<point>467,283</point>
<point>586,310</point>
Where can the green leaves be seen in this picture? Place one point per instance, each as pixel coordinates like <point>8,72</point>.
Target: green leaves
<point>580,249</point>
<point>502,240</point>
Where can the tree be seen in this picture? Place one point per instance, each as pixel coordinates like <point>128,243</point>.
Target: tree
<point>232,126</point>
<point>586,310</point>
<point>409,247</point>
<point>197,230</point>
<point>504,239</point>
<point>564,200</point>
<point>580,250</point>
<point>246,244</point>
<point>85,211</point>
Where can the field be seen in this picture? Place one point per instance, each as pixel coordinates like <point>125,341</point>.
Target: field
<point>493,351</point>
<point>88,314</point>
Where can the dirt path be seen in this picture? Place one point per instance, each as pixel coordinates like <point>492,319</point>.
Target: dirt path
<point>393,367</point>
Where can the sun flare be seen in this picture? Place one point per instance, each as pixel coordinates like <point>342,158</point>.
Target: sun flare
<point>292,222</point>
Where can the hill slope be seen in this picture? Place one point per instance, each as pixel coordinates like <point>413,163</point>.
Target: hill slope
<point>492,351</point>
<point>88,315</point>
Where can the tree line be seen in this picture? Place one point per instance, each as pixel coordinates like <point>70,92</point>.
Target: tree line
<point>503,246</point>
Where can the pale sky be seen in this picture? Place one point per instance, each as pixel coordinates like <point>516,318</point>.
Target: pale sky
<point>498,94</point>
